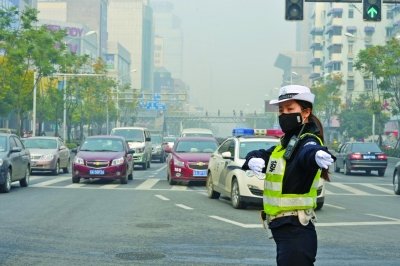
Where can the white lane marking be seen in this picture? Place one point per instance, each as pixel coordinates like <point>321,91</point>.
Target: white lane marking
<point>389,191</point>
<point>147,184</point>
<point>327,192</point>
<point>318,224</point>
<point>383,217</point>
<point>52,181</point>
<point>184,207</point>
<point>179,188</point>
<point>109,186</point>
<point>235,223</point>
<point>162,168</point>
<point>349,189</point>
<point>75,186</point>
<point>334,206</point>
<point>161,197</point>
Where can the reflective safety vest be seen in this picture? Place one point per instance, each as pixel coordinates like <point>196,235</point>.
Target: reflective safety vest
<point>274,201</point>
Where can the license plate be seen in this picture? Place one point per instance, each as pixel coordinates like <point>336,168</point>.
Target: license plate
<point>369,156</point>
<point>96,171</point>
<point>199,172</point>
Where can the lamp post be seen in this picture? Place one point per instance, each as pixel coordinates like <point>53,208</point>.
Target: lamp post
<point>34,104</point>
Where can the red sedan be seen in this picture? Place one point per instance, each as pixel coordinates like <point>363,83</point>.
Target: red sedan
<point>105,157</point>
<point>188,159</point>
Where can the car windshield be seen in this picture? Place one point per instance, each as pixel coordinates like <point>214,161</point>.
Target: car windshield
<point>129,134</point>
<point>365,147</point>
<point>246,147</point>
<point>31,143</point>
<point>99,144</point>
<point>3,143</point>
<point>196,146</point>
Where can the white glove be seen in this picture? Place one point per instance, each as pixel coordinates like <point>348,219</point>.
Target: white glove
<point>323,159</point>
<point>256,164</point>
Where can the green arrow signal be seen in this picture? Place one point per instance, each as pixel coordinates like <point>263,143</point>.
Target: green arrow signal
<point>372,12</point>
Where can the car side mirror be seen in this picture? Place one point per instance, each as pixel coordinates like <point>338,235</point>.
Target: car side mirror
<point>148,139</point>
<point>75,150</point>
<point>16,149</point>
<point>227,155</point>
<point>131,151</point>
<point>167,149</point>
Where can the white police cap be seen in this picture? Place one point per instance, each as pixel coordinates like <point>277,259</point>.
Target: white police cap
<point>294,92</point>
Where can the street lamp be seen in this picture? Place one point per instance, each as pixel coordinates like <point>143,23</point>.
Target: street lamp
<point>291,76</point>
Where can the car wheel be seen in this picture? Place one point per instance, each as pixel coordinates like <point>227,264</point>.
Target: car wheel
<point>66,169</point>
<point>396,183</point>
<point>236,200</point>
<point>381,172</point>
<point>319,205</point>
<point>170,181</point>
<point>6,187</point>
<point>346,169</point>
<point>24,182</point>
<point>75,179</point>
<point>337,169</point>
<point>57,169</point>
<point>212,194</point>
<point>368,172</point>
<point>130,176</point>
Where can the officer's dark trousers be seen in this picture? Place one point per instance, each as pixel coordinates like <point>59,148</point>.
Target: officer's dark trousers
<point>296,245</point>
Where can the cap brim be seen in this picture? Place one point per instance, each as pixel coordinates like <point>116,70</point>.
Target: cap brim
<point>308,97</point>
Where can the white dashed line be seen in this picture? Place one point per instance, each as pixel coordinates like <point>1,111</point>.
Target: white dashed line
<point>161,197</point>
<point>334,206</point>
<point>389,191</point>
<point>184,207</point>
<point>147,184</point>
<point>349,189</point>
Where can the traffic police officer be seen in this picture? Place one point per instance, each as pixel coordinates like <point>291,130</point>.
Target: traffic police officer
<point>292,172</point>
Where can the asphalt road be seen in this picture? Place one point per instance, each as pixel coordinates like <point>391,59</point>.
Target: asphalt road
<point>149,222</point>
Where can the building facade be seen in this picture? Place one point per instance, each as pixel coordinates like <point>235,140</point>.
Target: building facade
<point>130,22</point>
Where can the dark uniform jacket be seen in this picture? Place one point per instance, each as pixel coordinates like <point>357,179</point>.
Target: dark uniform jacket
<point>301,167</point>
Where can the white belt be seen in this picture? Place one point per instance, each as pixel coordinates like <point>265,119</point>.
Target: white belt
<point>283,214</point>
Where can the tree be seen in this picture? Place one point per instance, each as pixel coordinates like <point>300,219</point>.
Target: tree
<point>327,94</point>
<point>27,49</point>
<point>381,63</point>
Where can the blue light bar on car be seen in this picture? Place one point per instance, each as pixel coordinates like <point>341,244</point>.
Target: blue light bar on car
<point>243,131</point>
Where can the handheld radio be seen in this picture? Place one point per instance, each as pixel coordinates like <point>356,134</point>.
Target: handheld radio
<point>291,147</point>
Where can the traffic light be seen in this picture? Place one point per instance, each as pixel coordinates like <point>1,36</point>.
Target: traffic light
<point>294,10</point>
<point>372,10</point>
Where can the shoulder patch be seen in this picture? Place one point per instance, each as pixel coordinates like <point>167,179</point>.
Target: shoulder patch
<point>310,143</point>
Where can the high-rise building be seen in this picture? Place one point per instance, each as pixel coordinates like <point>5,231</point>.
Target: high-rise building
<point>21,4</point>
<point>91,13</point>
<point>130,22</point>
<point>167,26</point>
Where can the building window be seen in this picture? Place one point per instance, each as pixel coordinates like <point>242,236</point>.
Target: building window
<point>351,13</point>
<point>350,66</point>
<point>350,84</point>
<point>336,66</point>
<point>389,14</point>
<point>368,84</point>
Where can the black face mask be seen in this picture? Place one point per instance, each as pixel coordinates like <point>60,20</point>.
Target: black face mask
<point>288,122</point>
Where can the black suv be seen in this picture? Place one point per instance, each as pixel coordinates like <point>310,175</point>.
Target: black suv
<point>361,156</point>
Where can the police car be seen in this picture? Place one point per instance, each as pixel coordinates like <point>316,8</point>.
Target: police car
<point>225,176</point>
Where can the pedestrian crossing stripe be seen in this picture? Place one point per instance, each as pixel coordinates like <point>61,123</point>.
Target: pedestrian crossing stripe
<point>332,188</point>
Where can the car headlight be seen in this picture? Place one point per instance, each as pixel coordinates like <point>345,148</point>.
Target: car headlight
<point>118,161</point>
<point>1,162</point>
<point>47,157</point>
<point>79,160</point>
<point>179,163</point>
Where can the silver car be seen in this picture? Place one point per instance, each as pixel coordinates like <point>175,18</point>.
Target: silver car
<point>48,154</point>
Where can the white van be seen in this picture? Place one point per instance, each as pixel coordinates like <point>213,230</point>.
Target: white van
<point>197,132</point>
<point>138,139</point>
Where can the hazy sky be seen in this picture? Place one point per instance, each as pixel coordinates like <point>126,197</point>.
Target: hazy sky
<point>230,47</point>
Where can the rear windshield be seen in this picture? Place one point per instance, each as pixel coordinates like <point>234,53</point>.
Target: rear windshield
<point>365,147</point>
<point>195,146</point>
<point>40,143</point>
<point>132,135</point>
